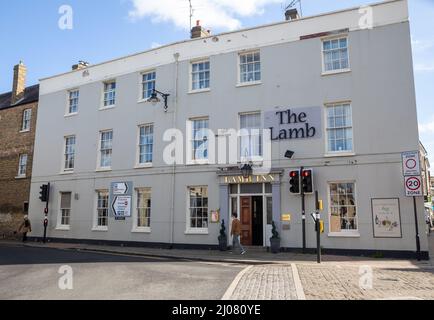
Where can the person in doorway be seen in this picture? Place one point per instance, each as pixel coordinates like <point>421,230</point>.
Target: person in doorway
<point>25,228</point>
<point>236,233</point>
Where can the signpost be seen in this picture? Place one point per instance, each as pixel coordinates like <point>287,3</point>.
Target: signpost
<point>121,200</point>
<point>413,186</point>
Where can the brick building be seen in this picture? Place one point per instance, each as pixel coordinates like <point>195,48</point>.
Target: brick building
<point>17,134</point>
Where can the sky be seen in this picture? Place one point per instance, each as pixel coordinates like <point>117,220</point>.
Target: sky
<point>105,29</point>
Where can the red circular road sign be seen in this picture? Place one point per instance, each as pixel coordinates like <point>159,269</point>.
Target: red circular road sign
<point>413,183</point>
<point>410,164</point>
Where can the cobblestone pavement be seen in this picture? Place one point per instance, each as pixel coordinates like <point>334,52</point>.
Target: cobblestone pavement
<point>269,282</point>
<point>342,283</point>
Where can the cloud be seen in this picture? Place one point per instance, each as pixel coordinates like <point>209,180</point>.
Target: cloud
<point>421,45</point>
<point>427,127</point>
<point>155,45</point>
<point>218,14</point>
<point>424,67</point>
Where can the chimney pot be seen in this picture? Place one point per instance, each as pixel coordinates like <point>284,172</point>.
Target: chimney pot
<point>19,82</point>
<point>199,32</point>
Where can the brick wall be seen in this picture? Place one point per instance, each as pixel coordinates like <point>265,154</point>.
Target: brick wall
<point>14,192</point>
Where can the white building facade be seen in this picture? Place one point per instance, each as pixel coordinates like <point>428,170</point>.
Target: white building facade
<point>336,89</point>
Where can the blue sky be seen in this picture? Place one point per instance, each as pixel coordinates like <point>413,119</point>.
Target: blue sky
<point>106,29</point>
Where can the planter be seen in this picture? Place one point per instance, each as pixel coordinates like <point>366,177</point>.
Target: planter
<point>223,244</point>
<point>275,245</point>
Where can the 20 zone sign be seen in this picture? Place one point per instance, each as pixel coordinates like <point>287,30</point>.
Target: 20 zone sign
<point>413,187</point>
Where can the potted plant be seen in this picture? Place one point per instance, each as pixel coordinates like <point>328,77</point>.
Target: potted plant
<point>275,240</point>
<point>223,238</point>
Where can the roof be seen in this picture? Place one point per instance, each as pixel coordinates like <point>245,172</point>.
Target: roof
<point>31,94</point>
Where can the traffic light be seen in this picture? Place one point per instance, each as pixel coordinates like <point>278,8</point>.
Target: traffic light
<point>307,181</point>
<point>44,194</point>
<point>294,182</point>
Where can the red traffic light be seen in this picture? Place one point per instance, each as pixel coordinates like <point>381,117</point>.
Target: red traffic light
<point>307,173</point>
<point>293,174</point>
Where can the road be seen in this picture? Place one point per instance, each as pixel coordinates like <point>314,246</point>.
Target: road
<point>33,273</point>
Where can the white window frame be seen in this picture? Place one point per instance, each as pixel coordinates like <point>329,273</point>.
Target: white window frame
<point>22,174</point>
<point>335,71</point>
<point>145,164</point>
<point>255,158</point>
<point>65,139</point>
<point>142,97</point>
<point>190,146</point>
<point>60,225</point>
<point>189,229</point>
<point>26,120</point>
<point>343,153</point>
<point>343,233</point>
<point>68,112</point>
<point>99,167</point>
<point>136,228</point>
<point>192,63</point>
<point>104,92</point>
<point>97,227</point>
<point>241,83</point>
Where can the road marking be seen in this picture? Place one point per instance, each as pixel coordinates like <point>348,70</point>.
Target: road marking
<point>234,284</point>
<point>297,283</point>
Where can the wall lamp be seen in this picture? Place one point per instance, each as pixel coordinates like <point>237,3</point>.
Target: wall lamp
<point>154,98</point>
<point>246,170</point>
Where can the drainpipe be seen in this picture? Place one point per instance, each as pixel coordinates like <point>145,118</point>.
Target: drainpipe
<point>175,108</point>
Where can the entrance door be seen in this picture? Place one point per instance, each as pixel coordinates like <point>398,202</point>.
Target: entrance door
<point>257,221</point>
<point>246,221</point>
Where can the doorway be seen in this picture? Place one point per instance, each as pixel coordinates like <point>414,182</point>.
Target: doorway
<point>250,203</point>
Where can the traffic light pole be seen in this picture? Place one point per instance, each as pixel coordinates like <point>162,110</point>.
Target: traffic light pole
<point>303,212</point>
<point>318,229</point>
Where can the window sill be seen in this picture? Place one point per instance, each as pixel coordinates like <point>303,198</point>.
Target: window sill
<point>25,131</point>
<point>141,230</point>
<point>100,229</point>
<point>63,228</point>
<point>20,177</point>
<point>197,162</point>
<point>334,72</point>
<point>69,115</point>
<point>339,154</point>
<point>143,166</point>
<point>196,232</point>
<point>199,91</point>
<point>144,100</point>
<point>103,170</point>
<point>344,234</point>
<point>248,84</point>
<point>107,108</point>
<point>66,172</point>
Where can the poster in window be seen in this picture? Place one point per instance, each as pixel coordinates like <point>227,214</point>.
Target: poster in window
<point>386,218</point>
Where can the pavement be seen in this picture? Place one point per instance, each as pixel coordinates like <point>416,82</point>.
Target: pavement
<point>204,275</point>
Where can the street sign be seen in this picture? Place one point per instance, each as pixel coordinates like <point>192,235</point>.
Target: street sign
<point>411,163</point>
<point>122,206</point>
<point>121,195</point>
<point>413,186</point>
<point>120,188</point>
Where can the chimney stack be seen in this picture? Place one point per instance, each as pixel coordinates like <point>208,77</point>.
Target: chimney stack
<point>19,82</point>
<point>291,14</point>
<point>80,65</point>
<point>199,32</point>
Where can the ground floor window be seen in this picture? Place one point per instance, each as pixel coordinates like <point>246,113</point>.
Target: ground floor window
<point>343,211</point>
<point>144,208</point>
<point>198,207</point>
<point>65,208</point>
<point>102,208</point>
